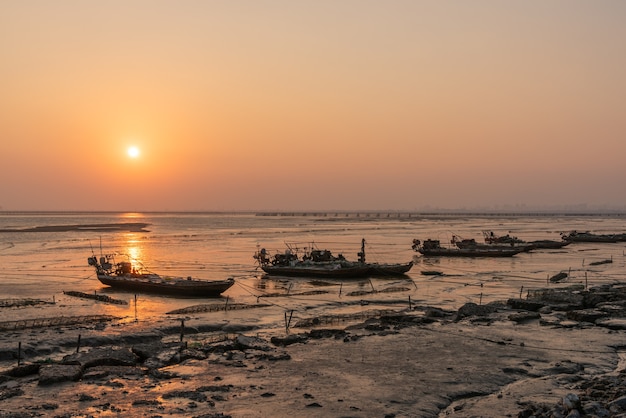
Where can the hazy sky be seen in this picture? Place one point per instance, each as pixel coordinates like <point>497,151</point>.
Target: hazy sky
<point>311,105</point>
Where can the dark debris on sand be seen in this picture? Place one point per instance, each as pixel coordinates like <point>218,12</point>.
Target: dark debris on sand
<point>600,396</point>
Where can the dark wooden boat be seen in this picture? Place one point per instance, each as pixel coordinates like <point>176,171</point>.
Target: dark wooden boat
<point>322,263</point>
<point>470,243</point>
<point>576,236</point>
<point>432,247</point>
<point>309,269</point>
<point>548,244</point>
<point>125,276</point>
<point>492,238</point>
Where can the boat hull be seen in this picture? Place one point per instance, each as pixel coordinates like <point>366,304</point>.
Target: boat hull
<point>389,269</point>
<point>460,252</point>
<point>315,271</point>
<point>176,286</point>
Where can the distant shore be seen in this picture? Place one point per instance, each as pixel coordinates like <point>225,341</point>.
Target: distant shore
<point>124,226</point>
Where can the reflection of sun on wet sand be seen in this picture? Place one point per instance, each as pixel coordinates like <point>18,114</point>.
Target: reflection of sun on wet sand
<point>123,226</point>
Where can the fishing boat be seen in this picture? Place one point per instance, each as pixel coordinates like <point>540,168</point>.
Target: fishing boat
<point>492,238</point>
<point>125,275</point>
<point>322,263</point>
<point>470,243</point>
<point>432,247</point>
<point>575,236</point>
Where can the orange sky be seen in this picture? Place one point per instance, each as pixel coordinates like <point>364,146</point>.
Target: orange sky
<point>312,105</point>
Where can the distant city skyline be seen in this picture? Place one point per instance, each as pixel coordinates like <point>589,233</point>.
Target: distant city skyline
<point>303,106</point>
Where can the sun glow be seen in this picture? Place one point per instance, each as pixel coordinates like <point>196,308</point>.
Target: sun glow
<point>133,152</point>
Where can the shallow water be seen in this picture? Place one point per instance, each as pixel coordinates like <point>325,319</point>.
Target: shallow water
<point>42,265</point>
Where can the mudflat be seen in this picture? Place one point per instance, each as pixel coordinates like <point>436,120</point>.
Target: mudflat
<point>520,358</point>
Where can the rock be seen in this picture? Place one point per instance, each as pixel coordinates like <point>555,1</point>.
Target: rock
<point>107,356</point>
<point>619,402</point>
<point>55,373</point>
<point>244,342</point>
<point>24,370</point>
<point>472,309</point>
<point>524,317</point>
<point>559,277</point>
<point>571,401</point>
<point>586,315</point>
<point>289,339</point>
<point>527,305</point>
<point>612,323</point>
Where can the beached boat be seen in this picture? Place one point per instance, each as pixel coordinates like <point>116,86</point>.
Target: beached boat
<point>491,238</point>
<point>575,236</point>
<point>432,247</point>
<point>470,243</point>
<point>548,244</point>
<point>322,263</point>
<point>124,275</point>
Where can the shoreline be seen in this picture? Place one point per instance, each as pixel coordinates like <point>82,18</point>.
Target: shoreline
<point>482,360</point>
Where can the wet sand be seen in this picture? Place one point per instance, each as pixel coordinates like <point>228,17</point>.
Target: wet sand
<point>423,362</point>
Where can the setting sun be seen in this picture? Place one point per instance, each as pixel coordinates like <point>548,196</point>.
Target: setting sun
<point>133,152</point>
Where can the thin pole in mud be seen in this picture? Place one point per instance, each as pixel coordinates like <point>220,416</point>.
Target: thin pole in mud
<point>410,303</point>
<point>340,287</point>
<point>78,344</point>
<point>53,301</point>
<point>226,305</point>
<point>585,280</point>
<point>288,322</point>
<point>135,307</point>
<point>182,329</point>
<point>520,292</point>
<point>371,284</point>
<point>19,352</point>
<point>480,301</point>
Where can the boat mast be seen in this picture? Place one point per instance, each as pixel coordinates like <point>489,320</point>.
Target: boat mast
<point>362,253</point>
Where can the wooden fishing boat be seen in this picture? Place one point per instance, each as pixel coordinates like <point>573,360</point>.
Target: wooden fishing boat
<point>432,247</point>
<point>125,276</point>
<point>492,238</point>
<point>470,243</point>
<point>575,236</point>
<point>322,263</point>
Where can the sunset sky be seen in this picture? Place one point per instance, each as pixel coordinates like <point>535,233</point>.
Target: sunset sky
<point>312,105</point>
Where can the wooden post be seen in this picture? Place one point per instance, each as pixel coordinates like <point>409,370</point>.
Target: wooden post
<point>135,307</point>
<point>286,325</point>
<point>340,287</point>
<point>19,352</point>
<point>586,280</point>
<point>78,344</point>
<point>480,302</point>
<point>182,329</point>
<point>410,307</point>
<point>520,292</point>
<point>290,316</point>
<point>226,305</point>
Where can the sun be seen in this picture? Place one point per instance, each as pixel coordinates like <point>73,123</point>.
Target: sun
<point>133,152</point>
